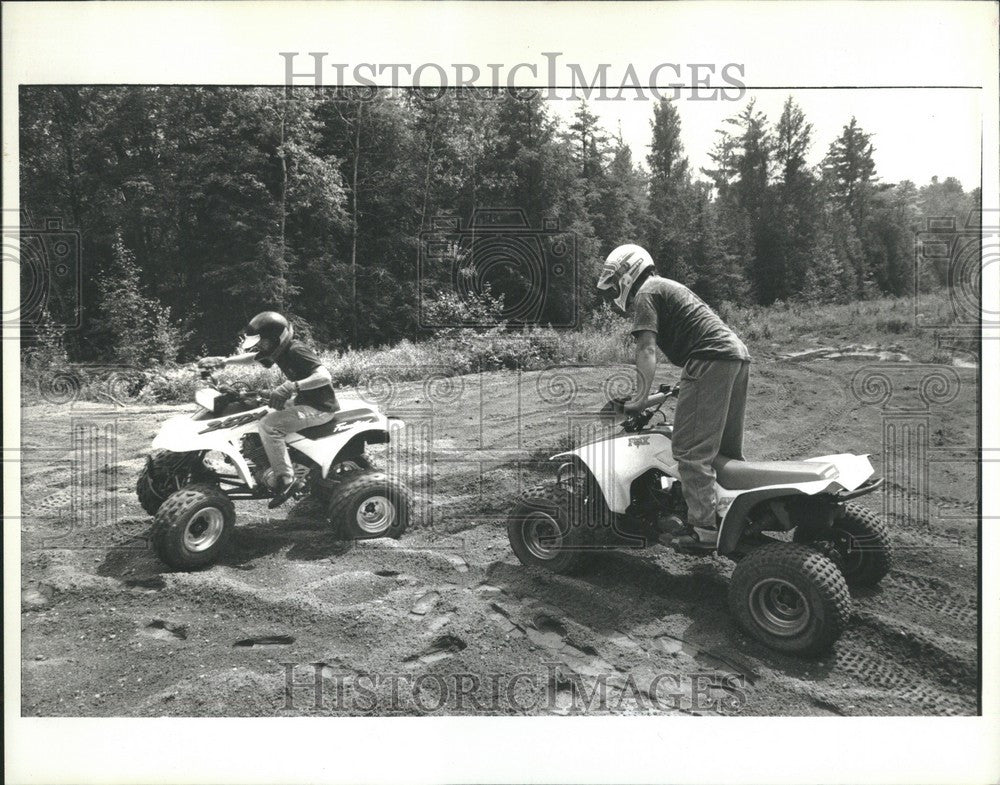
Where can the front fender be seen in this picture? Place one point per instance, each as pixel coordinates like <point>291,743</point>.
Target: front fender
<point>616,462</point>
<point>181,440</point>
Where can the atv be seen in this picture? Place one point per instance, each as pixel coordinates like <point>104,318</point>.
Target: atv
<point>203,462</point>
<point>623,491</point>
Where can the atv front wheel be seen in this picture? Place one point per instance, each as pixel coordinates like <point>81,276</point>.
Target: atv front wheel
<point>544,531</point>
<point>366,505</point>
<point>192,527</point>
<point>164,473</point>
<point>860,539</point>
<point>790,597</point>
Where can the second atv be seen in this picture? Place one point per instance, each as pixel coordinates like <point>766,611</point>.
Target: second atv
<point>623,491</point>
<point>204,462</point>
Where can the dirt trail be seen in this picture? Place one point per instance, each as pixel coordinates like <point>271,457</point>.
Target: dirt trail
<point>385,626</point>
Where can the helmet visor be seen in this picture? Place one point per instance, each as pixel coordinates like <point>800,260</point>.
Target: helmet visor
<point>250,342</point>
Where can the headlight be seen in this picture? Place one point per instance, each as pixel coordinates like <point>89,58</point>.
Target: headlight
<point>206,398</point>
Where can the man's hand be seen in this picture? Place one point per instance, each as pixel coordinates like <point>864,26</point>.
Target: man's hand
<point>635,405</point>
<point>212,363</point>
<point>279,395</point>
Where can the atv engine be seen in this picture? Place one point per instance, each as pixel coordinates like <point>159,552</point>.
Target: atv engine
<point>252,449</point>
<point>657,498</point>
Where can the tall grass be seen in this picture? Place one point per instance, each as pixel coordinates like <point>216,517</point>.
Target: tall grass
<point>882,322</point>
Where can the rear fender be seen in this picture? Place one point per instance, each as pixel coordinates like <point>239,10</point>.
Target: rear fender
<point>789,506</point>
<point>854,473</point>
<point>326,451</point>
<point>733,524</point>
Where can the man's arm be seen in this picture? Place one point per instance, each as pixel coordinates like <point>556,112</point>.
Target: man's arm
<point>288,388</point>
<point>318,378</point>
<point>218,363</point>
<point>645,369</point>
<point>240,359</point>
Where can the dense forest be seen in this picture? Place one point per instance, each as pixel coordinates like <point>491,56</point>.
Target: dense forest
<point>196,207</point>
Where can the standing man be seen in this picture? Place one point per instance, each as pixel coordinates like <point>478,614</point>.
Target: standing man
<point>713,391</point>
<point>269,339</point>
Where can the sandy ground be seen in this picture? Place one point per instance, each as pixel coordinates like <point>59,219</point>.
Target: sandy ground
<point>446,620</point>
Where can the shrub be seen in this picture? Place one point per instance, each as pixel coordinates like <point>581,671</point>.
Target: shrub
<point>142,332</point>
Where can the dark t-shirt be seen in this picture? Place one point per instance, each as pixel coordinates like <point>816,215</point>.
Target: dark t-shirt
<point>299,361</point>
<point>685,326</point>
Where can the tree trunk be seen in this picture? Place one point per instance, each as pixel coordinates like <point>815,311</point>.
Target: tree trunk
<point>282,197</point>
<point>354,226</point>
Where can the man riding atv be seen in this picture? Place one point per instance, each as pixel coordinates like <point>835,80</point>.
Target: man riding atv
<point>708,420</point>
<point>269,339</point>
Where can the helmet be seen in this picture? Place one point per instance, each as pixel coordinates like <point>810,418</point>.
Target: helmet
<point>268,335</point>
<point>622,270</point>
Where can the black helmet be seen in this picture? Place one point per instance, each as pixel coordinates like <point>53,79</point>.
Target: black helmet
<point>268,335</point>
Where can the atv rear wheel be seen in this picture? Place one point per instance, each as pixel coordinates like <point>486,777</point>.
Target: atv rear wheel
<point>192,527</point>
<point>544,531</point>
<point>366,505</point>
<point>790,597</point>
<point>322,487</point>
<point>861,543</point>
<point>163,473</point>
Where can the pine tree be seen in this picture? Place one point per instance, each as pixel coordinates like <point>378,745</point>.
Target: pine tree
<point>669,193</point>
<point>849,172</point>
<point>796,205</point>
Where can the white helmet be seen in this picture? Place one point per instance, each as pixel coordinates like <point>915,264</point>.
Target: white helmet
<point>622,269</point>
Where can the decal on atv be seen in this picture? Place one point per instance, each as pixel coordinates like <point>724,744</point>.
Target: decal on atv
<point>234,422</point>
<point>638,441</point>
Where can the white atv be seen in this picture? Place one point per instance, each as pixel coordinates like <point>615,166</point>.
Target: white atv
<point>203,462</point>
<point>624,491</point>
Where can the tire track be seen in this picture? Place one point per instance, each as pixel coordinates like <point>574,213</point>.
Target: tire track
<point>860,662</point>
<point>937,596</point>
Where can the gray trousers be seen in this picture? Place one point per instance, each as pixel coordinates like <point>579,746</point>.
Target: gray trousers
<point>708,422</point>
<point>276,425</point>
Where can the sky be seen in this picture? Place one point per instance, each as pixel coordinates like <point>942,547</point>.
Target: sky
<point>917,133</point>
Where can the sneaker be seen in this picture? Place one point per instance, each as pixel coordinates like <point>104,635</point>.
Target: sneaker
<point>283,492</point>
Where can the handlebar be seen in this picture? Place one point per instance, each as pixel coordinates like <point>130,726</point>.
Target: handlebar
<point>638,421</point>
<point>246,396</point>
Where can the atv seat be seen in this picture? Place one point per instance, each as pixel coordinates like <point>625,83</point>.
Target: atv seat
<point>341,417</point>
<point>744,475</point>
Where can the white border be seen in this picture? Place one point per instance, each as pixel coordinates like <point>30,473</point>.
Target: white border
<point>806,44</point>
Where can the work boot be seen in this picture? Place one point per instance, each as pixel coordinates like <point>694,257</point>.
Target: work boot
<point>697,540</point>
<point>671,528</point>
<point>284,489</point>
